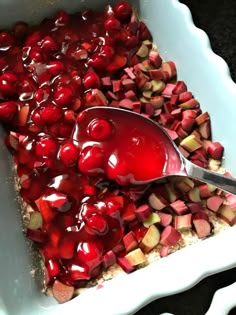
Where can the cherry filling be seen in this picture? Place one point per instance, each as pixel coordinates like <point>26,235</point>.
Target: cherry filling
<point>83,217</point>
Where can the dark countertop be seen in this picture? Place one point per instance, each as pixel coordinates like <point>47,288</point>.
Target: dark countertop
<point>218,19</point>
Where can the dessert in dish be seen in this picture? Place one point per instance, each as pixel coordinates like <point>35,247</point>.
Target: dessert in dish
<point>85,226</point>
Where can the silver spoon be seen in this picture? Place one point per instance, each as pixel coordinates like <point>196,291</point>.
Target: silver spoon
<point>151,139</point>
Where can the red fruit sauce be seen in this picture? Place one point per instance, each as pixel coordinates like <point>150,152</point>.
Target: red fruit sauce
<point>126,148</point>
<point>49,73</point>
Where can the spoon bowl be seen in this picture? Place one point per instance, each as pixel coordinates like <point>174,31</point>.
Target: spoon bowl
<point>132,149</point>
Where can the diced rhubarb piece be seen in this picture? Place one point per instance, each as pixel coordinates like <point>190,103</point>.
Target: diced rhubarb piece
<point>170,236</point>
<point>191,143</point>
<point>147,94</point>
<point>183,151</point>
<point>174,100</point>
<point>12,141</point>
<point>228,214</point>
<point>165,218</point>
<point>36,221</point>
<point>116,85</point>
<point>156,74</point>
<point>130,73</point>
<point>106,81</point>
<point>231,200</point>
<point>136,257</point>
<point>192,103</point>
<point>128,84</point>
<point>170,68</point>
<point>95,97</point>
<point>166,119</point>
<point>202,118</point>
<point>142,51</point>
<point>214,165</point>
<point>187,124</point>
<point>171,192</point>
<point>189,113</point>
<point>157,101</point>
<point>147,64</point>
<point>194,195</point>
<point>195,207</point>
<point>201,224</point>
<point>168,91</point>
<point>150,239</point>
<point>131,96</point>
<point>181,132</point>
<point>215,150</point>
<point>125,264</point>
<point>61,292</point>
<point>185,96</point>
<point>179,207</point>
<point>126,103</point>
<point>155,58</point>
<point>183,221</point>
<point>130,241</point>
<point>143,212</point>
<point>109,259</point>
<point>213,203</point>
<point>164,251</point>
<point>157,86</point>
<point>180,87</point>
<point>152,219</point>
<point>157,202</point>
<point>185,184</point>
<point>149,109</point>
<point>204,191</point>
<point>205,129</point>
<point>172,134</point>
<point>23,115</point>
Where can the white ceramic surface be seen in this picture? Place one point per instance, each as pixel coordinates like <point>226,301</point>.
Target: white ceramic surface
<point>207,76</point>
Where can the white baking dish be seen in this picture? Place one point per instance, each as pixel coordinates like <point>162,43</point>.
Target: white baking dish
<point>207,76</point>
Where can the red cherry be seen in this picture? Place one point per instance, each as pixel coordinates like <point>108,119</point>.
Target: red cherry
<point>91,161</point>
<point>50,114</point>
<point>63,96</point>
<point>78,272</point>
<point>97,62</point>
<point>107,51</point>
<point>122,11</point>
<point>97,224</point>
<point>6,40</point>
<point>91,80</point>
<point>61,18</point>
<point>112,24</point>
<point>35,54</point>
<point>8,84</point>
<point>42,94</point>
<point>53,268</point>
<point>33,39</point>
<point>99,129</point>
<point>48,44</point>
<point>89,254</point>
<point>55,67</point>
<point>36,117</point>
<point>68,154</point>
<point>46,147</point>
<point>8,110</point>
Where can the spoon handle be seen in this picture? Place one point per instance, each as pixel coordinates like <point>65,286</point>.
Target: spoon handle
<point>223,182</point>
